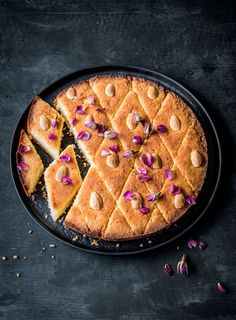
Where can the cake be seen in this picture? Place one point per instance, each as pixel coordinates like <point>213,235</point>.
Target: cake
<point>29,164</point>
<point>146,149</point>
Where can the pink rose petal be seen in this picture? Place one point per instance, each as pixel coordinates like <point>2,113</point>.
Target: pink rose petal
<point>169,174</point>
<point>190,200</point>
<point>128,195</point>
<point>221,288</point>
<point>22,166</point>
<point>91,125</point>
<point>142,170</point>
<point>147,129</point>
<point>144,210</point>
<point>147,159</point>
<point>136,117</point>
<point>128,154</point>
<point>91,99</point>
<point>54,123</point>
<point>100,109</point>
<point>174,189</point>
<point>101,129</point>
<point>66,180</point>
<point>115,148</point>
<point>24,149</point>
<point>137,140</point>
<point>105,153</point>
<point>161,128</point>
<point>73,122</point>
<point>80,109</point>
<point>153,196</point>
<point>52,136</point>
<point>65,158</point>
<point>84,136</point>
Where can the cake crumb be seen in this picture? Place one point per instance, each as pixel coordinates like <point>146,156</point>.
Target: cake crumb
<point>94,243</point>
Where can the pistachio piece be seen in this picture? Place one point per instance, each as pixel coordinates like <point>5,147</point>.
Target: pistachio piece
<point>89,118</point>
<point>44,122</point>
<point>152,93</point>
<point>174,123</point>
<point>61,172</point>
<point>95,202</point>
<point>112,160</point>
<point>157,163</point>
<point>179,201</point>
<point>131,124</point>
<point>196,158</point>
<point>110,90</point>
<point>137,200</point>
<point>71,93</point>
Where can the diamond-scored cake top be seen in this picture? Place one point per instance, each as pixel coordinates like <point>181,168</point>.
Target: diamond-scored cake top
<point>147,154</point>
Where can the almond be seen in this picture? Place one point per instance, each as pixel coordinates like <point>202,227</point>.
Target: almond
<point>152,93</point>
<point>95,202</point>
<point>110,90</point>
<point>137,200</point>
<point>179,201</point>
<point>131,124</point>
<point>44,122</point>
<point>112,160</point>
<point>61,172</point>
<point>174,123</point>
<point>89,118</point>
<point>196,158</point>
<point>71,93</point>
<point>157,163</point>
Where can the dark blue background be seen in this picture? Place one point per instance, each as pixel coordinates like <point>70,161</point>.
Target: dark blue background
<point>191,41</point>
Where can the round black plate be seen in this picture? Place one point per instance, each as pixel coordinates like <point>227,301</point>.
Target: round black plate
<point>39,210</point>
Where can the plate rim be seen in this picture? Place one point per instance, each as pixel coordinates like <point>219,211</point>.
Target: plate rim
<point>127,68</point>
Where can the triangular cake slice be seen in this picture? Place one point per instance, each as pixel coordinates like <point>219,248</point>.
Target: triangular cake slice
<point>29,164</point>
<point>45,125</point>
<point>62,180</point>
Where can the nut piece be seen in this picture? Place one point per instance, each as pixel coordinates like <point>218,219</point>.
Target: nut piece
<point>196,158</point>
<point>110,90</point>
<point>112,160</point>
<point>137,200</point>
<point>179,201</point>
<point>131,124</point>
<point>174,123</point>
<point>44,122</point>
<point>157,163</point>
<point>89,118</point>
<point>152,93</point>
<point>61,172</point>
<point>95,202</point>
<point>71,93</point>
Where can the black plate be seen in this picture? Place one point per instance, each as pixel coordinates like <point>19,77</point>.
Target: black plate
<point>39,209</point>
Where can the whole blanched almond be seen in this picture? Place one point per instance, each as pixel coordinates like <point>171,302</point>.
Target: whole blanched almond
<point>61,172</point>
<point>152,93</point>
<point>89,118</point>
<point>112,160</point>
<point>131,124</point>
<point>196,158</point>
<point>174,123</point>
<point>179,201</point>
<point>110,90</point>
<point>71,93</point>
<point>44,122</point>
<point>137,200</point>
<point>95,202</point>
<point>157,163</point>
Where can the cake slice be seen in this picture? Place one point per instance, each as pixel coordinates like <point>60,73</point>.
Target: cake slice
<point>45,125</point>
<point>62,180</point>
<point>155,223</point>
<point>29,164</point>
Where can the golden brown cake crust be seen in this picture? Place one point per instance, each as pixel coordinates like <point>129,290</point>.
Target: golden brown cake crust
<point>176,146</point>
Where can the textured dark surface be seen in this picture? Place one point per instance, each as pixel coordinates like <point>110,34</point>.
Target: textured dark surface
<point>191,41</point>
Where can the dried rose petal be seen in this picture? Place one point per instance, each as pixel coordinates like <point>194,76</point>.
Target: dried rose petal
<point>136,117</point>
<point>144,177</point>
<point>105,153</point>
<point>73,122</point>
<point>115,148</point>
<point>190,200</point>
<point>23,148</point>
<point>161,128</point>
<point>128,154</point>
<point>22,166</point>
<point>147,159</point>
<point>174,189</point>
<point>66,180</point>
<point>221,288</point>
<point>128,195</point>
<point>182,266</point>
<point>52,136</point>
<point>202,245</point>
<point>137,140</point>
<point>65,158</point>
<point>84,136</point>
<point>80,109</point>
<point>147,129</point>
<point>153,196</point>
<point>81,94</point>
<point>169,174</point>
<point>142,170</point>
<point>101,128</point>
<point>91,125</point>
<point>144,210</point>
<point>54,123</point>
<point>110,134</point>
<point>100,109</point>
<point>91,99</point>
<point>192,243</point>
<point>168,270</point>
